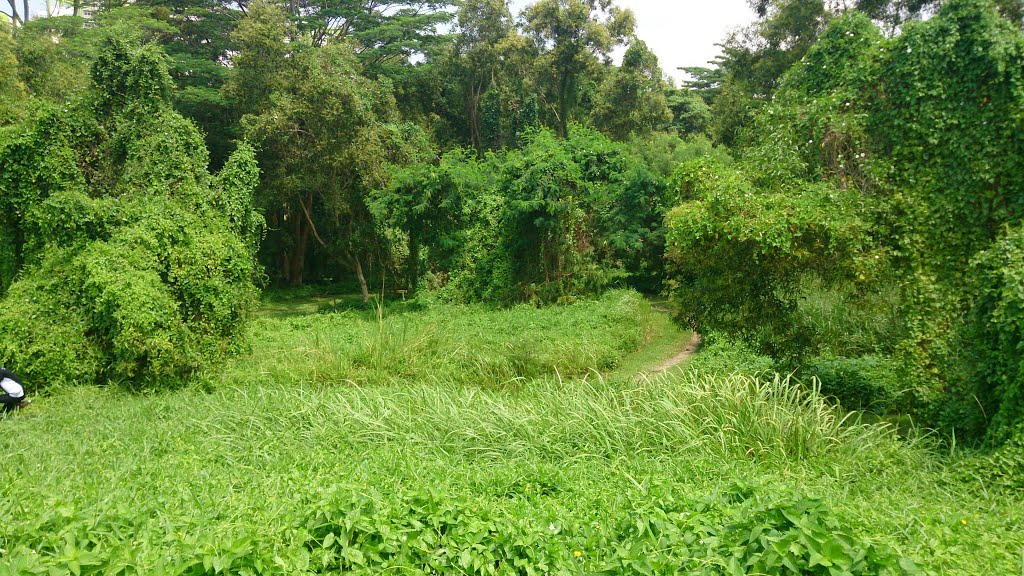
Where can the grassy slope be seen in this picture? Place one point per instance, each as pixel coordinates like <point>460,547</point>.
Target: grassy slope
<point>438,402</point>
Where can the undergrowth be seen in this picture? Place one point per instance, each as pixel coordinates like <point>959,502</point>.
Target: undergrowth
<point>472,344</point>
<point>425,464</point>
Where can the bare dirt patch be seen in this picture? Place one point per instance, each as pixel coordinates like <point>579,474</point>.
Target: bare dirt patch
<point>686,352</point>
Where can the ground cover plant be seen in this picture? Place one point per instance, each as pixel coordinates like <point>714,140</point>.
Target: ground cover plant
<point>436,468</point>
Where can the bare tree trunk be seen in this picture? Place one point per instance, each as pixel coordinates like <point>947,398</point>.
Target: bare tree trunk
<point>413,266</point>
<point>302,241</point>
<point>15,17</point>
<point>362,279</point>
<point>24,15</point>
<point>473,110</point>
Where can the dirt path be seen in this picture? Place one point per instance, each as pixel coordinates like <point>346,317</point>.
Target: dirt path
<point>688,351</point>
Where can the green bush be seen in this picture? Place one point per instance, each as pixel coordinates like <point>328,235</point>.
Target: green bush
<point>996,330</point>
<point>738,253</point>
<point>720,354</point>
<point>554,221</point>
<point>1000,469</point>
<point>869,383</point>
<point>130,262</point>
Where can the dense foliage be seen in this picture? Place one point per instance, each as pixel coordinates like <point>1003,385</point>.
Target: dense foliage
<point>124,259</point>
<point>555,220</point>
<point>920,133</point>
<point>838,198</point>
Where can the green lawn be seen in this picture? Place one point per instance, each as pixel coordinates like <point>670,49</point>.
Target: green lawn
<point>468,440</point>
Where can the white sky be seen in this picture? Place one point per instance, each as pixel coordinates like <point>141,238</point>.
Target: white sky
<point>682,32</point>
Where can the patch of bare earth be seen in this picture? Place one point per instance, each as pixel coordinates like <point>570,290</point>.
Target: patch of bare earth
<point>688,351</point>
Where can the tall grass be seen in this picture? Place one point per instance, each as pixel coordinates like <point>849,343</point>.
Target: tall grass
<point>473,345</point>
<point>494,414</point>
<point>850,323</point>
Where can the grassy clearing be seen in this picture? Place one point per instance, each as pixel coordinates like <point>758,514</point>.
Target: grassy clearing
<point>474,345</point>
<point>425,469</point>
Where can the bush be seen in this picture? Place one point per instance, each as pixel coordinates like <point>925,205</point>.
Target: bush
<point>721,355</point>
<point>867,383</point>
<point>131,262</point>
<point>1001,469</point>
<point>738,253</point>
<point>558,220</point>
<point>996,330</point>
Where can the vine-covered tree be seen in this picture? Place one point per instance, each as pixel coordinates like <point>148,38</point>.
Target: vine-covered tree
<point>129,261</point>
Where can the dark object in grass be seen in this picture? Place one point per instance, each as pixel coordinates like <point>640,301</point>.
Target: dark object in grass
<point>13,392</point>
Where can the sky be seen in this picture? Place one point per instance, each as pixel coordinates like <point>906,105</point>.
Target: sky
<point>682,32</point>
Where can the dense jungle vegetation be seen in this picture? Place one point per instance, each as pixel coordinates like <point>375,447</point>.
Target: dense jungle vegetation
<point>355,287</point>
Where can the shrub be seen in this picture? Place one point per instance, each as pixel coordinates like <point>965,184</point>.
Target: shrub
<point>721,355</point>
<point>738,253</point>
<point>557,220</point>
<point>132,262</point>
<point>867,383</point>
<point>1000,469</point>
<point>996,330</point>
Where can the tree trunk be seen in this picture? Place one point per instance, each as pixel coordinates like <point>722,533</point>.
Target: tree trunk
<point>300,231</point>
<point>413,267</point>
<point>362,279</point>
<point>473,111</point>
<point>565,97</point>
<point>15,17</point>
<point>297,258</point>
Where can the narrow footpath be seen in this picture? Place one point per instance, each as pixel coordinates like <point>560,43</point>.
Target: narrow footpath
<point>688,351</point>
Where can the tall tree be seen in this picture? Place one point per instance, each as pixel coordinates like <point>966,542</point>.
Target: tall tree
<point>200,46</point>
<point>383,32</point>
<point>487,77</point>
<point>574,38</point>
<point>326,134</point>
<point>631,101</point>
<point>265,41</point>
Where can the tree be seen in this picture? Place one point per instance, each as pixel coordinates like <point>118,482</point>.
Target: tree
<point>12,89</point>
<point>382,33</point>
<point>920,134</point>
<point>631,101</point>
<point>574,38</point>
<point>690,114</point>
<point>737,252</point>
<point>489,65</point>
<point>200,44</point>
<point>56,53</point>
<point>326,135</point>
<point>266,43</point>
<point>18,18</point>
<point>425,201</point>
<point>131,263</point>
<point>704,82</point>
